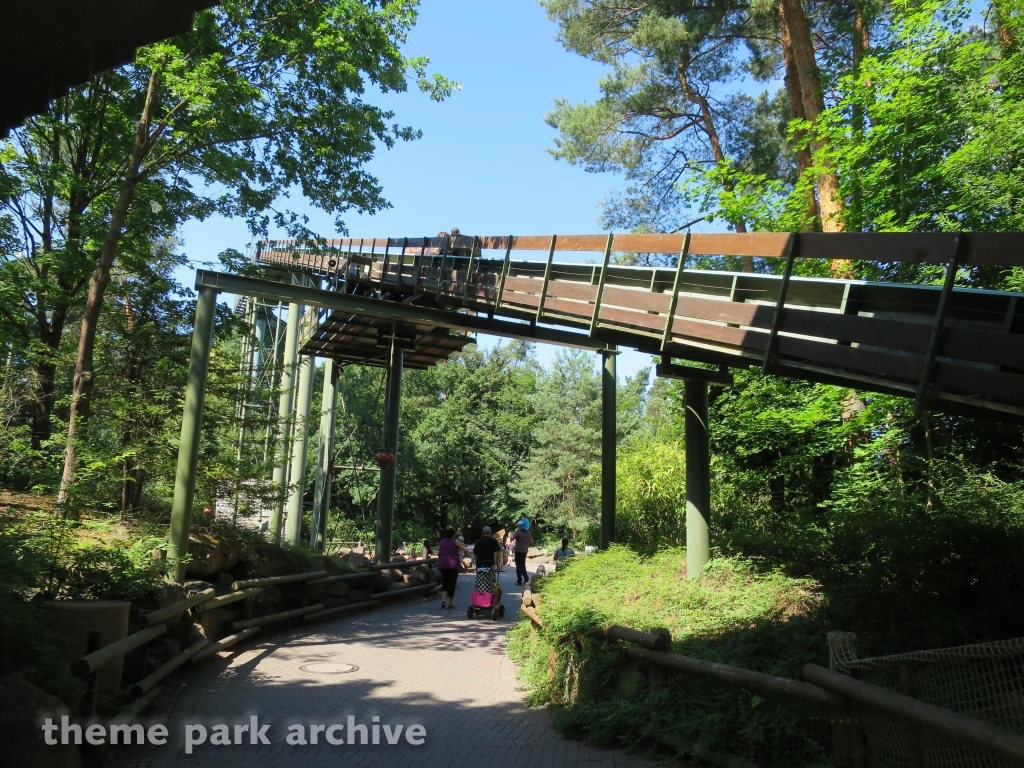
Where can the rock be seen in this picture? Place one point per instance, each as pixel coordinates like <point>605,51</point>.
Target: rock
<point>342,551</point>
<point>232,553</point>
<point>225,578</point>
<point>356,559</point>
<point>334,602</point>
<point>327,563</point>
<point>414,580</point>
<point>534,552</point>
<point>396,558</point>
<point>395,586</point>
<point>360,550</point>
<point>205,557</point>
<point>435,576</point>
<point>394,574</point>
<point>337,589</point>
<point>23,707</point>
<point>381,582</point>
<point>358,596</point>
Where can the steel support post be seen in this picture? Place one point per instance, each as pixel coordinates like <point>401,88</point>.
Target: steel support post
<point>284,418</point>
<point>325,457</point>
<point>389,471</point>
<point>609,430</point>
<point>300,445</point>
<point>191,425</point>
<point>698,477</point>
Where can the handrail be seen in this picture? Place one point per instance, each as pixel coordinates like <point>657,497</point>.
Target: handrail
<point>989,248</point>
<point>655,641</point>
<point>953,724</point>
<point>744,678</point>
<point>155,617</point>
<point>90,663</point>
<point>273,580</point>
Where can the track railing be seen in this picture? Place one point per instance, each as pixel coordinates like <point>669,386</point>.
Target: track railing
<point>940,344</point>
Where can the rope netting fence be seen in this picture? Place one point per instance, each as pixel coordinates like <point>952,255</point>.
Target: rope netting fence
<point>984,681</point>
<point>767,730</point>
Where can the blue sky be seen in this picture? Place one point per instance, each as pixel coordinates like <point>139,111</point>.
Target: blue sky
<point>482,163</point>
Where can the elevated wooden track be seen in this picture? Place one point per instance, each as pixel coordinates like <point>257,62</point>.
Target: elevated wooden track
<point>950,348</point>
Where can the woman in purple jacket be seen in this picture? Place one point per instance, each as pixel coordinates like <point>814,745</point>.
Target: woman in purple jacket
<point>449,560</point>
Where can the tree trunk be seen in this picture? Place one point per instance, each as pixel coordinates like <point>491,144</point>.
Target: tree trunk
<point>794,91</point>
<point>830,202</point>
<point>83,381</point>
<point>861,42</point>
<point>42,403</point>
<point>697,98</point>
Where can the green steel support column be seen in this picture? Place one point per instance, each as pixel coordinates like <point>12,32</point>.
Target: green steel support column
<point>191,425</point>
<point>388,472</point>
<point>325,457</point>
<point>284,417</point>
<point>698,477</point>
<point>609,429</point>
<point>300,445</point>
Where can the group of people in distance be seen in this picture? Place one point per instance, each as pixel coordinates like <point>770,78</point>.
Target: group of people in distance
<point>486,551</point>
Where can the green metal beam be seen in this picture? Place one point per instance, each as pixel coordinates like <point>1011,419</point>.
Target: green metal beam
<point>325,456</point>
<point>300,445</point>
<point>609,430</point>
<point>284,418</point>
<point>698,477</point>
<point>389,472</point>
<point>393,311</point>
<point>191,426</point>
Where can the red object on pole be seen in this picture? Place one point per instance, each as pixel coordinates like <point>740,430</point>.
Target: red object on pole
<point>384,456</point>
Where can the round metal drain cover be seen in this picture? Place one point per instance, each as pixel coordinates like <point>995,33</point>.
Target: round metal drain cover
<point>328,668</point>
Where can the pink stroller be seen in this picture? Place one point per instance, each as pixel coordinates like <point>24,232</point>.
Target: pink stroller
<point>486,597</point>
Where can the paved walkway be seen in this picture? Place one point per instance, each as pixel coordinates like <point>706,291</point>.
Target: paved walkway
<point>416,663</point>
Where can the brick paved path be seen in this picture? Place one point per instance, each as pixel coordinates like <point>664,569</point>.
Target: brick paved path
<point>417,664</point>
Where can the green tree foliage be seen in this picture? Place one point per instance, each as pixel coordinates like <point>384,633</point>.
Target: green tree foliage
<point>256,101</point>
<point>554,485</point>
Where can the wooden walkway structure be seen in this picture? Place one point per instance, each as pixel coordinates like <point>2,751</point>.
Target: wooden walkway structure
<point>387,301</point>
<point>949,348</point>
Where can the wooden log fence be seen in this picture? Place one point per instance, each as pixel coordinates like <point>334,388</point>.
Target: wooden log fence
<point>97,659</point>
<point>230,597</point>
<point>146,690</point>
<point>273,581</point>
<point>155,617</point>
<point>843,696</point>
<point>154,677</point>
<point>224,643</point>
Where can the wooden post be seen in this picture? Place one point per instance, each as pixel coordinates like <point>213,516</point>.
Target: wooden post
<point>915,745</point>
<point>94,643</point>
<point>547,277</point>
<point>600,284</point>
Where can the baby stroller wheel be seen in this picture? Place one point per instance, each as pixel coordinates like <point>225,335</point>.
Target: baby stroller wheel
<point>494,614</point>
<point>469,612</point>
<point>501,611</point>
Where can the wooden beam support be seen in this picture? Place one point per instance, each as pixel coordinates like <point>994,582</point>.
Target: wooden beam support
<point>600,284</point>
<point>792,251</point>
<point>668,370</point>
<point>680,266</point>
<point>938,327</point>
<point>547,277</point>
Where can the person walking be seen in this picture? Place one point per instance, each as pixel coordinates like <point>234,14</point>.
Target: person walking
<point>521,541</point>
<point>449,560</point>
